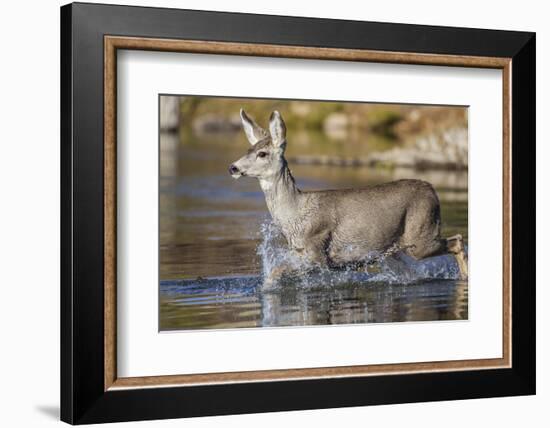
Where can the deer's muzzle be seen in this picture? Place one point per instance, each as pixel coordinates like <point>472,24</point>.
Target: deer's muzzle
<point>235,171</point>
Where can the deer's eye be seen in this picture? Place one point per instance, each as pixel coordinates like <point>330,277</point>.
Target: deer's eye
<point>262,154</point>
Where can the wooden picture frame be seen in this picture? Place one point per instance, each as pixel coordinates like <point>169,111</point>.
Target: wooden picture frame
<point>91,390</point>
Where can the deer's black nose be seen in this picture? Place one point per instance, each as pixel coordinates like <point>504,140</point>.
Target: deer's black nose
<point>233,170</point>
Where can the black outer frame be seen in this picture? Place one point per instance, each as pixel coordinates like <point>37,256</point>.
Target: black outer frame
<point>83,399</point>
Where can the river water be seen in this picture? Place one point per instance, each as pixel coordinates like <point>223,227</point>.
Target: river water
<point>214,245</point>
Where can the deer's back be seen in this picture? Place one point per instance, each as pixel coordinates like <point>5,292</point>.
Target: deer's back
<point>372,218</point>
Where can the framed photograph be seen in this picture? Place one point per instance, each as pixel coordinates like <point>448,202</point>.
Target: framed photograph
<point>265,213</point>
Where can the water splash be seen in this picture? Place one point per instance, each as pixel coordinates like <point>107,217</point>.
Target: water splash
<point>274,254</point>
<point>274,251</point>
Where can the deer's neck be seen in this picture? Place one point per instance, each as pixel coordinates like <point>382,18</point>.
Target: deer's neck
<point>281,194</point>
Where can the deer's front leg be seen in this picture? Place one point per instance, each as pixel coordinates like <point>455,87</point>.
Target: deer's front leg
<point>298,262</point>
<point>302,259</point>
<point>277,273</point>
<point>313,250</point>
<point>273,278</point>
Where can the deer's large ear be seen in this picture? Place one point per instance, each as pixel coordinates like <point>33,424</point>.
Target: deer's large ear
<point>277,129</point>
<point>253,131</point>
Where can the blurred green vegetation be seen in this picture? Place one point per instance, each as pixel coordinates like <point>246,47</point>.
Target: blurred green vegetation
<point>392,121</point>
<point>324,132</point>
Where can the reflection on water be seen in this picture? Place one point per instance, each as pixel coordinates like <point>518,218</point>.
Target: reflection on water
<point>210,229</point>
<point>237,302</point>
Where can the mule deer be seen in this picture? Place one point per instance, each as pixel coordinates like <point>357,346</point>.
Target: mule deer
<point>338,228</point>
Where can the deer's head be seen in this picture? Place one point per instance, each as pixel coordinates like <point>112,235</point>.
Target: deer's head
<point>265,158</point>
